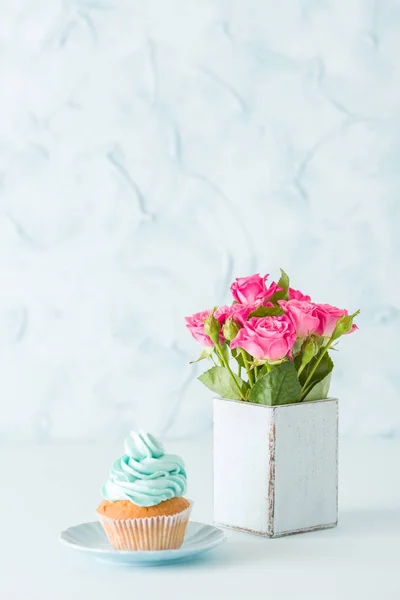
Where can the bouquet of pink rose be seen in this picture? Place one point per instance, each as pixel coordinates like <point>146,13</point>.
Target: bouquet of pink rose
<point>278,338</point>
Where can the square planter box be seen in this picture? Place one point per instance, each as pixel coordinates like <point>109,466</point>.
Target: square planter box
<point>275,467</point>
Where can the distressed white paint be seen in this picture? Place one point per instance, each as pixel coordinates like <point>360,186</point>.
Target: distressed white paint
<point>241,462</point>
<point>275,468</point>
<point>305,466</point>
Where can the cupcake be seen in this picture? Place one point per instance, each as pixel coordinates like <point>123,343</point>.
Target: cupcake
<point>143,506</point>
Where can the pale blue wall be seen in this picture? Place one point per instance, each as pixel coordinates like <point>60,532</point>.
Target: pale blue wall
<point>150,151</point>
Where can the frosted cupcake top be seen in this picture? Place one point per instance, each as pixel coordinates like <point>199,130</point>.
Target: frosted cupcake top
<point>145,475</point>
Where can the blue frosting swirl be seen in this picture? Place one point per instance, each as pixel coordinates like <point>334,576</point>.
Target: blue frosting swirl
<point>145,475</point>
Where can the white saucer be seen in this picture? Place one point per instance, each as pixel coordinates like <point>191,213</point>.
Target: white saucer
<point>90,538</point>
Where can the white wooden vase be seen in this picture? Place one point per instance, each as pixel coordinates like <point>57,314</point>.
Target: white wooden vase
<point>276,467</point>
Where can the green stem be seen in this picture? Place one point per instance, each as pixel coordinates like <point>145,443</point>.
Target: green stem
<point>221,362</point>
<point>250,375</point>
<point>301,369</point>
<point>226,364</point>
<point>311,373</point>
<point>239,369</point>
<point>269,367</point>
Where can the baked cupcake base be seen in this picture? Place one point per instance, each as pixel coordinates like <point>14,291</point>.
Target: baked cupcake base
<point>132,527</point>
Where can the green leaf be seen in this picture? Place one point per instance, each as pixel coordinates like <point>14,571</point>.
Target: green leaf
<point>267,311</point>
<point>263,371</point>
<point>284,284</point>
<point>320,390</point>
<point>323,369</point>
<point>219,380</point>
<point>237,355</point>
<point>208,350</point>
<point>280,386</point>
<point>284,280</point>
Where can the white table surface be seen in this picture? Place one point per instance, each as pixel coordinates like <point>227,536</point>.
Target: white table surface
<point>46,489</point>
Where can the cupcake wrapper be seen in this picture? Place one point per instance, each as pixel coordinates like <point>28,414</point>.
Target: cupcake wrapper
<point>148,533</point>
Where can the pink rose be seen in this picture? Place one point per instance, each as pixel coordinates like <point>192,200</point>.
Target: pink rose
<point>250,290</point>
<point>303,315</point>
<point>222,313</point>
<point>240,312</point>
<point>269,292</point>
<point>298,295</point>
<point>269,338</point>
<point>328,316</point>
<point>195,324</point>
<point>246,290</point>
